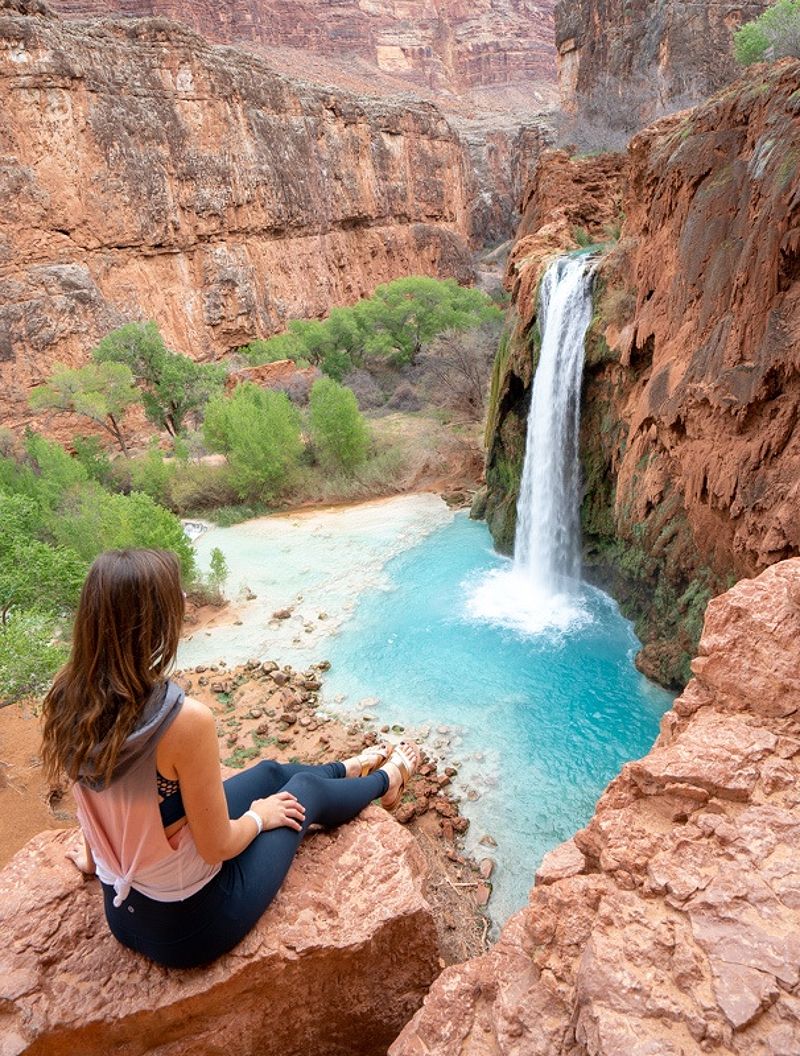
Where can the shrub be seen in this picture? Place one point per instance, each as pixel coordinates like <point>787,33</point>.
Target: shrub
<point>458,365</point>
<point>200,486</point>
<point>92,520</point>
<point>91,454</point>
<point>339,433</point>
<point>259,431</point>
<point>152,475</point>
<point>30,654</point>
<point>775,34</point>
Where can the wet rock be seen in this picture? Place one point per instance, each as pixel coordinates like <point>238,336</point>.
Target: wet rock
<point>487,841</point>
<point>282,614</point>
<point>486,867</point>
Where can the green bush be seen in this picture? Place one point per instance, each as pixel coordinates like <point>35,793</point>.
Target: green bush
<point>92,520</point>
<point>152,475</point>
<point>30,654</point>
<point>338,430</point>
<point>259,431</point>
<point>200,486</point>
<point>775,34</point>
<point>91,454</point>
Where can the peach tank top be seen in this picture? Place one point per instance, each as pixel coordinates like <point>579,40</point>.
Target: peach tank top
<point>122,822</point>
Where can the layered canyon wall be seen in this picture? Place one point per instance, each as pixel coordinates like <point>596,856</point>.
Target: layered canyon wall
<point>690,440</point>
<point>621,63</point>
<point>444,44</point>
<point>670,925</point>
<point>148,174</point>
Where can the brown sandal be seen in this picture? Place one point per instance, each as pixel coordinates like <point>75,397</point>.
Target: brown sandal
<point>373,758</point>
<point>406,757</point>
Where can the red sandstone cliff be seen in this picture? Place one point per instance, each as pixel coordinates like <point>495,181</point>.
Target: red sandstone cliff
<point>445,44</point>
<point>622,63</point>
<point>690,439</point>
<point>147,174</point>
<point>670,925</point>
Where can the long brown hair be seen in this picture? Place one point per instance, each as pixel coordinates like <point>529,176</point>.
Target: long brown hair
<point>124,642</point>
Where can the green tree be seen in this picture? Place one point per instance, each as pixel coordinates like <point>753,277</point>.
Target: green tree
<point>403,316</point>
<point>101,392</point>
<point>174,387</point>
<point>339,432</point>
<point>775,34</point>
<point>259,431</point>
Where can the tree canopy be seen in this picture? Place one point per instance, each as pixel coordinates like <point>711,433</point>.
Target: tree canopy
<point>101,392</point>
<point>775,34</point>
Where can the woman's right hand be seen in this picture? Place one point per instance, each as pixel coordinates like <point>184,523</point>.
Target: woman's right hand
<point>282,809</point>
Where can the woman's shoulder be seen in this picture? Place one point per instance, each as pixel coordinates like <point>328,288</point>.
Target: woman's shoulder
<point>194,719</point>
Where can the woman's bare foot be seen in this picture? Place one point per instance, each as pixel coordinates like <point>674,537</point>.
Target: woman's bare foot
<point>402,763</point>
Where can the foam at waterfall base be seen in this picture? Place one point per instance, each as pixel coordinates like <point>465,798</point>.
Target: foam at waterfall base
<point>508,597</point>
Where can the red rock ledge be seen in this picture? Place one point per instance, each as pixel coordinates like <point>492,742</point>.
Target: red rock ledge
<point>670,925</point>
<point>337,965</point>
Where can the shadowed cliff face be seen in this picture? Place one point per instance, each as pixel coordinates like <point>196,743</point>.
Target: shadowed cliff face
<point>690,441</point>
<point>625,62</point>
<point>445,44</point>
<point>147,174</point>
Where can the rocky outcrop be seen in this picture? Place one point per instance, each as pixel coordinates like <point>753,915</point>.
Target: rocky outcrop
<point>337,964</point>
<point>622,63</point>
<point>148,174</point>
<point>671,924</point>
<point>442,43</point>
<point>690,446</point>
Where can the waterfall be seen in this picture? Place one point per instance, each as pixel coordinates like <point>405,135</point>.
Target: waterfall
<point>547,542</point>
<point>541,591</point>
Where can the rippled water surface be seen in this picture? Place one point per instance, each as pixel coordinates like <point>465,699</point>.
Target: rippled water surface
<point>427,626</point>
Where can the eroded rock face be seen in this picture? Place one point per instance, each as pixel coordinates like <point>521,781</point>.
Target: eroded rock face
<point>626,62</point>
<point>337,964</point>
<point>147,174</point>
<point>442,43</point>
<point>671,924</point>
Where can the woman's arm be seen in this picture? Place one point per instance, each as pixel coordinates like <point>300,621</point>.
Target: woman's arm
<point>193,750</point>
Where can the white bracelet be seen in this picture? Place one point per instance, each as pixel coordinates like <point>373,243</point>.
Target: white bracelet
<point>256,818</point>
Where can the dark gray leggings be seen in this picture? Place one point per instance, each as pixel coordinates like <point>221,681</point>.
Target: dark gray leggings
<point>201,928</point>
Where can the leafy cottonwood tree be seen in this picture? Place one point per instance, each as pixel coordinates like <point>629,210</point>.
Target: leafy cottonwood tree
<point>775,34</point>
<point>339,432</point>
<point>174,387</point>
<point>101,392</point>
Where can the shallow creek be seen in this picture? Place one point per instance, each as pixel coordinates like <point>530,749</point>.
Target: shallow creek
<point>538,709</point>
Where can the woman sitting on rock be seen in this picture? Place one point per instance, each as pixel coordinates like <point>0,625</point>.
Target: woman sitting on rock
<point>188,862</point>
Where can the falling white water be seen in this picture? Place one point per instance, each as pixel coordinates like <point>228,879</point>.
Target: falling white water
<point>540,591</point>
<point>547,544</point>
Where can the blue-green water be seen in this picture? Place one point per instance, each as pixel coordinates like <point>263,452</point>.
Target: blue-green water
<point>541,715</point>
